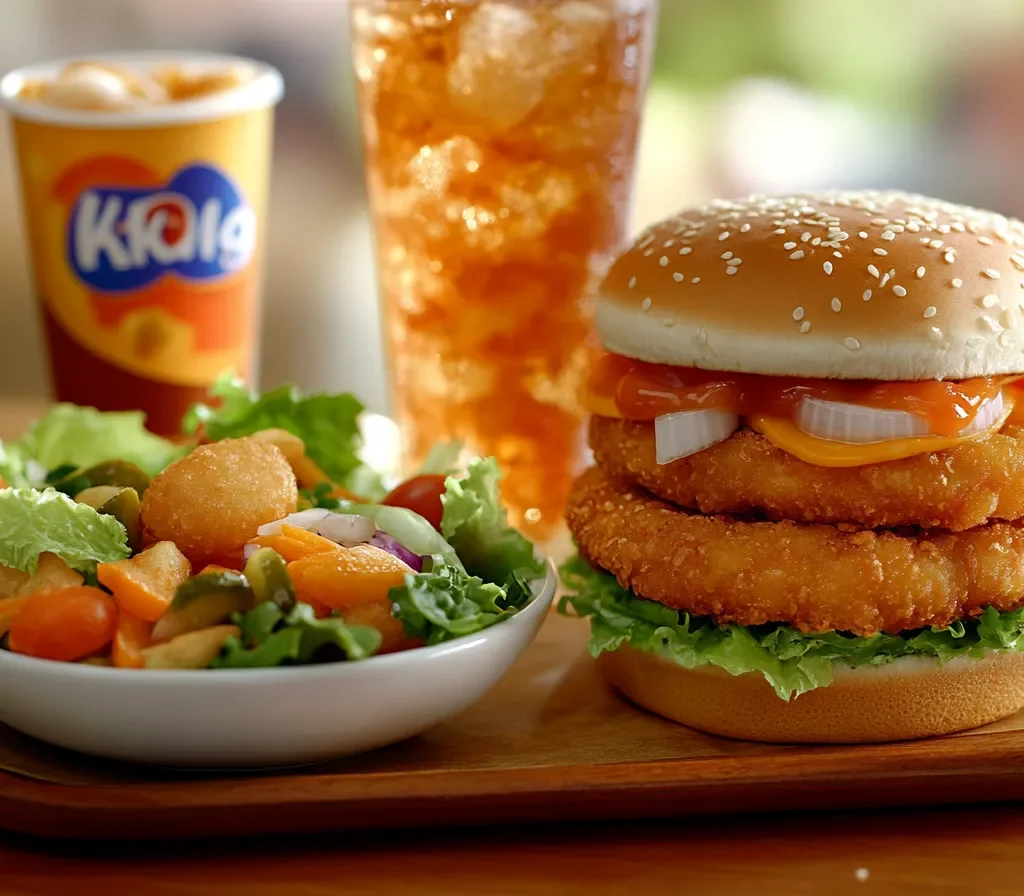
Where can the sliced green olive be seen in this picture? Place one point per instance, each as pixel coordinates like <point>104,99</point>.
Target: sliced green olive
<point>97,495</point>
<point>121,473</point>
<point>204,600</point>
<point>124,505</point>
<point>268,577</point>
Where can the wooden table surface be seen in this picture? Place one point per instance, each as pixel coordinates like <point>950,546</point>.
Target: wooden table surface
<point>966,850</point>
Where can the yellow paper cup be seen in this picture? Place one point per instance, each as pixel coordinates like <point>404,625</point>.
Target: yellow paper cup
<point>146,230</point>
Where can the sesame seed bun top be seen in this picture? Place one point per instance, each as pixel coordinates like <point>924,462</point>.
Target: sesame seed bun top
<point>853,285</point>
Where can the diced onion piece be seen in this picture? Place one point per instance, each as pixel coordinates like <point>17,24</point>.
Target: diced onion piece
<point>304,519</point>
<point>854,424</point>
<point>988,415</point>
<point>249,550</point>
<point>838,421</point>
<point>347,529</point>
<point>687,432</point>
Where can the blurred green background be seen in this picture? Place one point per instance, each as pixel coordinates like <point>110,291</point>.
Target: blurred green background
<point>746,96</point>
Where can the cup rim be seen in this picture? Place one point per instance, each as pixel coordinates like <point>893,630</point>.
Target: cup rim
<point>264,89</point>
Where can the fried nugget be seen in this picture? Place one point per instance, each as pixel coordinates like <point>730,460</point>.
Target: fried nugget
<point>812,576</point>
<point>955,489</point>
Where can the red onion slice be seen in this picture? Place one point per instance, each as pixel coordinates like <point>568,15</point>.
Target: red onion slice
<point>687,432</point>
<point>346,528</point>
<point>386,543</point>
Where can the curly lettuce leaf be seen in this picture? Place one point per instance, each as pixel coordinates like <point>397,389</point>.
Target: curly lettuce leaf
<point>475,523</point>
<point>445,602</point>
<point>272,638</point>
<point>791,661</point>
<point>327,424</point>
<point>33,522</point>
<point>76,436</point>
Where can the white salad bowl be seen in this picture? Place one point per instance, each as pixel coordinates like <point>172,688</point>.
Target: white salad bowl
<point>248,718</point>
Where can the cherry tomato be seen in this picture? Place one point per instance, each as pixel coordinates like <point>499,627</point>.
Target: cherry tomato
<point>421,494</point>
<point>64,624</point>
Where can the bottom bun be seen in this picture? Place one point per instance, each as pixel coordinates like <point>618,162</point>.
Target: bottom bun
<point>908,698</point>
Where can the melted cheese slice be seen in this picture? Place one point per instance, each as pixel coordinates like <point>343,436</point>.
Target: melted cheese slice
<point>786,435</point>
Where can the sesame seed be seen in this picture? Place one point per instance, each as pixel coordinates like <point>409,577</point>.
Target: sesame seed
<point>745,228</point>
<point>1018,262</point>
<point>789,246</point>
<point>880,221</point>
<point>878,251</point>
<point>735,261</point>
<point>727,255</point>
<point>991,323</point>
<point>863,234</point>
<point>884,280</point>
<point>816,241</point>
<point>679,278</point>
<point>663,261</point>
<point>724,235</point>
<point>930,311</point>
<point>851,343</point>
<point>888,235</point>
<point>873,271</point>
<point>632,282</point>
<point>731,270</point>
<point>798,313</point>
<point>935,244</point>
<point>991,273</point>
<point>949,257</point>
<point>989,301</point>
<point>924,241</point>
<point>797,255</point>
<point>686,250</point>
<point>668,244</point>
<point>837,254</point>
<point>648,252</point>
<point>956,283</point>
<point>985,240</point>
<point>837,305</point>
<point>935,333</point>
<point>867,295</point>
<point>828,267</point>
<point>900,291</point>
<point>958,226</point>
<point>920,272</point>
<point>646,304</point>
<point>780,231</point>
<point>839,234</point>
<point>805,236</point>
<point>695,280</point>
<point>805,326</point>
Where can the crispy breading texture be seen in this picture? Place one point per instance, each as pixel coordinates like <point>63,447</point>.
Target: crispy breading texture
<point>812,576</point>
<point>956,489</point>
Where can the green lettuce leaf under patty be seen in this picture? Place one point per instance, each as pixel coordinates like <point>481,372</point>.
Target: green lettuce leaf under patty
<point>792,662</point>
<point>327,424</point>
<point>33,522</point>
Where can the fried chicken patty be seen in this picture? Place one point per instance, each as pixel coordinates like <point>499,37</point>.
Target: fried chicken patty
<point>812,576</point>
<point>955,489</point>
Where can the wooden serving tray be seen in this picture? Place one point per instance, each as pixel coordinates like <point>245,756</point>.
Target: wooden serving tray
<point>549,743</point>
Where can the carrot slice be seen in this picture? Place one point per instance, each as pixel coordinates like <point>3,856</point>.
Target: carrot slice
<point>131,639</point>
<point>348,577</point>
<point>144,585</point>
<point>9,609</point>
<point>294,543</point>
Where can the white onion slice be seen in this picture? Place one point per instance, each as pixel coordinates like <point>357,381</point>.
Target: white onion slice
<point>837,421</point>
<point>687,432</point>
<point>347,528</point>
<point>304,519</point>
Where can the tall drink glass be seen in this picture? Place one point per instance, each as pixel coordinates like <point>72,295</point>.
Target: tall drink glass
<point>499,141</point>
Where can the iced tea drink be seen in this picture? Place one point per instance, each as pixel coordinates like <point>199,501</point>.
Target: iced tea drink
<point>499,141</point>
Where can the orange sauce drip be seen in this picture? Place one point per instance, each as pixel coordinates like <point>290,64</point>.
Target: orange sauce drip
<point>643,391</point>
